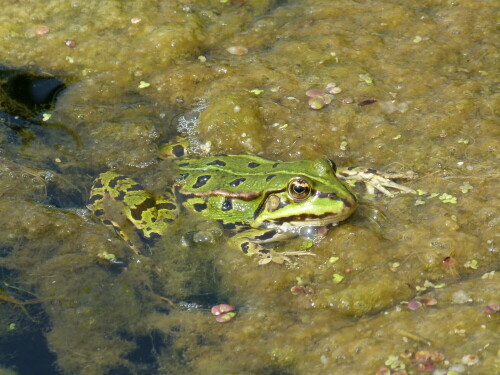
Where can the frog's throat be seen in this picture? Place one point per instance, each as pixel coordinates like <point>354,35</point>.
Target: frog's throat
<point>311,220</point>
<point>308,219</point>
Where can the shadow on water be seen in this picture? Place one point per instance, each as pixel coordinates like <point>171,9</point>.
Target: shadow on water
<point>24,96</point>
<point>28,352</point>
<point>25,93</point>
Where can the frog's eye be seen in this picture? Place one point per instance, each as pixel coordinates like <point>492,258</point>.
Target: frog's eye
<point>299,189</point>
<point>333,165</point>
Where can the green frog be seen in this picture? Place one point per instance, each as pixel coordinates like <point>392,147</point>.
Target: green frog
<point>258,201</point>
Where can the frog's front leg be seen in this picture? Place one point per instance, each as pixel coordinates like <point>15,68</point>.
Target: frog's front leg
<point>377,180</point>
<point>251,242</point>
<point>120,202</point>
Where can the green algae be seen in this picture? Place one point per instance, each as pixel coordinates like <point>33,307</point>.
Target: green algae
<point>429,66</point>
<point>237,122</point>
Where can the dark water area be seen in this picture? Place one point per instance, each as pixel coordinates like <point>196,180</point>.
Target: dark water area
<point>27,353</point>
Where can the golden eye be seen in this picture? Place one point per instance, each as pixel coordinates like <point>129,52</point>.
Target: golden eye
<point>299,189</point>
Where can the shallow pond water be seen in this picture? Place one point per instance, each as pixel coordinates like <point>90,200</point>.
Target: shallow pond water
<point>406,285</point>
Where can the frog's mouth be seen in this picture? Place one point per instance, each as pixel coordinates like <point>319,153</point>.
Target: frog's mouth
<point>310,220</point>
<point>278,212</point>
<point>313,220</point>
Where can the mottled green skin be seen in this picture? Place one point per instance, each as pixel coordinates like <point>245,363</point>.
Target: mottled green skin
<point>262,179</point>
<point>249,195</point>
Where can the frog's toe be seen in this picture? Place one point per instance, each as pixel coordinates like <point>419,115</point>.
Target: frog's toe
<point>268,256</point>
<point>382,184</point>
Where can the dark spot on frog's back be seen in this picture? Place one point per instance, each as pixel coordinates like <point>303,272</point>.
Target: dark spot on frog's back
<point>227,205</point>
<point>97,184</point>
<point>244,247</point>
<point>266,236</point>
<point>95,198</point>
<point>135,187</point>
<point>120,196</point>
<point>114,181</point>
<point>200,207</point>
<point>270,177</point>
<point>228,226</point>
<point>201,181</point>
<point>275,165</point>
<point>145,205</point>
<point>153,236</point>
<point>253,165</point>
<point>217,162</point>
<point>237,182</point>
<point>166,206</point>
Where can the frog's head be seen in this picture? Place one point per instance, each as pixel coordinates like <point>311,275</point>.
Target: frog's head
<point>315,197</point>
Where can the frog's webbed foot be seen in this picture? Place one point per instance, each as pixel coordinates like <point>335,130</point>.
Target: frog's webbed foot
<point>123,205</point>
<point>251,243</point>
<point>376,180</point>
<point>268,256</point>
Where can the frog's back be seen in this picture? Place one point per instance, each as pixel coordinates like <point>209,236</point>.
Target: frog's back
<point>245,173</point>
<point>232,173</point>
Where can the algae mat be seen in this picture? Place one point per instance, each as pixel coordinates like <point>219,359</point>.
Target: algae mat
<point>407,285</point>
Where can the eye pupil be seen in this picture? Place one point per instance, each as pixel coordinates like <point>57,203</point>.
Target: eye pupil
<point>299,189</point>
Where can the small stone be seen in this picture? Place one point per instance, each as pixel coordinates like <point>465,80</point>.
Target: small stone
<point>414,305</point>
<point>70,43</point>
<point>470,359</point>
<point>237,50</point>
<point>316,103</point>
<point>314,93</point>
<point>224,318</point>
<point>41,29</point>
<point>221,309</point>
<point>425,366</point>
<point>422,355</point>
<point>327,98</point>
<point>492,308</point>
<point>348,100</point>
<point>332,88</point>
<point>437,356</point>
<point>428,301</point>
<point>135,20</point>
